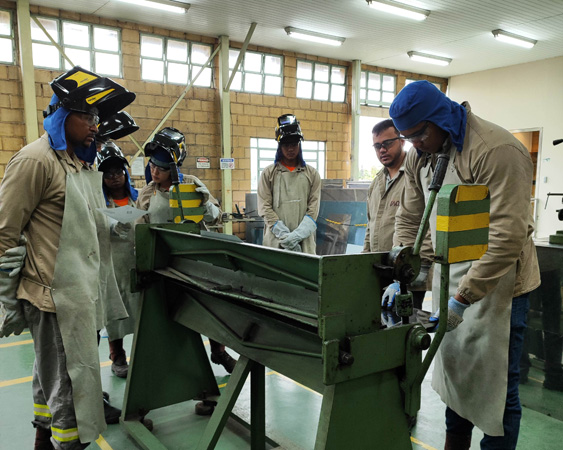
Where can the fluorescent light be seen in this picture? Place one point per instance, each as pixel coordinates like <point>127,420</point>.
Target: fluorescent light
<point>399,9</point>
<point>514,39</point>
<point>163,5</point>
<point>314,37</point>
<point>430,59</point>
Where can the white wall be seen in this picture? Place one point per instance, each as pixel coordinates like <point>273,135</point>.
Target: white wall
<point>522,97</point>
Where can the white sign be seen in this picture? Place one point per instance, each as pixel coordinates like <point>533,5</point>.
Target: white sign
<point>202,162</point>
<point>138,167</point>
<point>123,214</point>
<point>227,163</point>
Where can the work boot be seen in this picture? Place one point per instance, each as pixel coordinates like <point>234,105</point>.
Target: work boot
<point>117,354</point>
<point>111,414</point>
<point>147,423</point>
<point>42,439</point>
<point>105,395</point>
<point>205,407</point>
<point>224,359</point>
<point>457,441</point>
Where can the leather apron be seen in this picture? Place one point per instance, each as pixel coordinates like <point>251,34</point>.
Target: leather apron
<point>471,365</point>
<point>75,294</point>
<point>289,201</point>
<point>159,207</point>
<point>123,256</point>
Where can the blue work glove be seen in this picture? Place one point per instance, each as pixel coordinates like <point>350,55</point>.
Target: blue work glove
<point>455,315</point>
<point>13,320</point>
<point>305,229</point>
<point>12,260</point>
<point>388,299</point>
<point>280,230</point>
<point>202,189</point>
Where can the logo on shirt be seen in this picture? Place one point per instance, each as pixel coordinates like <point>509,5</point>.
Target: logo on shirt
<point>394,203</point>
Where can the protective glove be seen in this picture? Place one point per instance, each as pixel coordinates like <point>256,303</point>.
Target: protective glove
<point>280,230</point>
<point>120,230</point>
<point>13,259</point>
<point>455,315</point>
<point>388,299</point>
<point>13,320</point>
<point>211,212</point>
<point>297,248</point>
<point>419,283</point>
<point>202,189</point>
<point>303,231</point>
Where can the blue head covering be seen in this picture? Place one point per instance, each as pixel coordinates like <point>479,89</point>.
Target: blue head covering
<point>163,156</point>
<point>420,101</point>
<point>54,125</point>
<point>133,193</point>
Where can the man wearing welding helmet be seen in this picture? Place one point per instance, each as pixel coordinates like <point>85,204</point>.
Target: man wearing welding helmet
<point>51,194</point>
<point>289,193</point>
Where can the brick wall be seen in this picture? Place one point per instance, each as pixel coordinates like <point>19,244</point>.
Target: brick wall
<point>198,115</point>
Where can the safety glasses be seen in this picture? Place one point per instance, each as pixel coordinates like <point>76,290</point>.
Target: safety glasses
<point>113,174</point>
<point>386,144</point>
<point>419,136</point>
<point>157,169</point>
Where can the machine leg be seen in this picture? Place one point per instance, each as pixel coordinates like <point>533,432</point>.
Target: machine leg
<point>258,407</point>
<point>226,402</point>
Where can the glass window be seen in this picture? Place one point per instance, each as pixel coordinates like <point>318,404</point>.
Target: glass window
<point>174,61</point>
<point>321,81</point>
<point>377,89</point>
<point>93,47</point>
<point>259,73</point>
<point>263,153</point>
<point>6,38</point>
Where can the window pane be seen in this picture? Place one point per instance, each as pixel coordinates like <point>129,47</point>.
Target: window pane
<point>252,82</point>
<point>78,57</point>
<point>177,51</point>
<point>152,70</point>
<point>337,93</point>
<point>310,156</point>
<point>374,96</point>
<point>106,39</point>
<point>309,145</point>
<point>52,28</point>
<point>204,79</point>
<point>268,143</point>
<point>236,85</point>
<point>76,34</point>
<point>107,64</point>
<point>374,81</point>
<point>338,75</point>
<point>313,164</point>
<point>362,95</point>
<point>304,70</point>
<point>304,89</point>
<point>408,81</point>
<point>272,85</point>
<point>151,47</point>
<point>268,154</point>
<point>201,53</point>
<point>178,73</point>
<point>388,97</point>
<point>6,52</point>
<point>321,91</point>
<point>253,62</point>
<point>363,79</point>
<point>264,163</point>
<point>388,83</point>
<point>233,55</point>
<point>45,56</point>
<point>321,72</point>
<point>272,64</point>
<point>5,25</point>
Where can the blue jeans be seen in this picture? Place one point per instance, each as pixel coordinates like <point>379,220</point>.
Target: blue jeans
<point>513,410</point>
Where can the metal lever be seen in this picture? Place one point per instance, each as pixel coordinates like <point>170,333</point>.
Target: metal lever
<point>175,178</point>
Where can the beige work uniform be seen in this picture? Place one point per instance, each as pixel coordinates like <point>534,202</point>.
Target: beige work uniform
<point>289,197</point>
<point>471,366</point>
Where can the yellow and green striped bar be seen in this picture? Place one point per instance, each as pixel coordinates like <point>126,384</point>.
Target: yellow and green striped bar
<point>462,224</point>
<point>191,203</point>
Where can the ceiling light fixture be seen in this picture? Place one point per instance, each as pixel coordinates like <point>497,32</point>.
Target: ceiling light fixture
<point>162,5</point>
<point>430,59</point>
<point>314,36</point>
<point>514,39</point>
<point>399,9</point>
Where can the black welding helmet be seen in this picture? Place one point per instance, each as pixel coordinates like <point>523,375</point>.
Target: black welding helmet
<point>288,129</point>
<point>167,146</point>
<point>83,91</point>
<point>110,155</point>
<point>116,127</point>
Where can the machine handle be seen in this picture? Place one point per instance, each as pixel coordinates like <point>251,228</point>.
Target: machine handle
<point>175,178</point>
<point>439,172</point>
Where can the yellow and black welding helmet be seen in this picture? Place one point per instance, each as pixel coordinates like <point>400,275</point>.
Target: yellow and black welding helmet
<point>168,145</point>
<point>116,127</point>
<point>84,91</point>
<point>288,129</point>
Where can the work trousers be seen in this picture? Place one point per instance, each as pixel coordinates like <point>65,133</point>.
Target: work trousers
<point>53,407</point>
<point>457,425</point>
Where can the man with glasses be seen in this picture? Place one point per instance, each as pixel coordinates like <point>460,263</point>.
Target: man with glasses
<point>51,195</point>
<point>384,198</point>
<point>476,368</point>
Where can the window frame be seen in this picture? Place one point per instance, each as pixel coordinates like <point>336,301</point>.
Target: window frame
<point>312,80</point>
<point>262,72</point>
<point>380,103</point>
<point>91,48</point>
<point>166,61</point>
<point>11,37</point>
